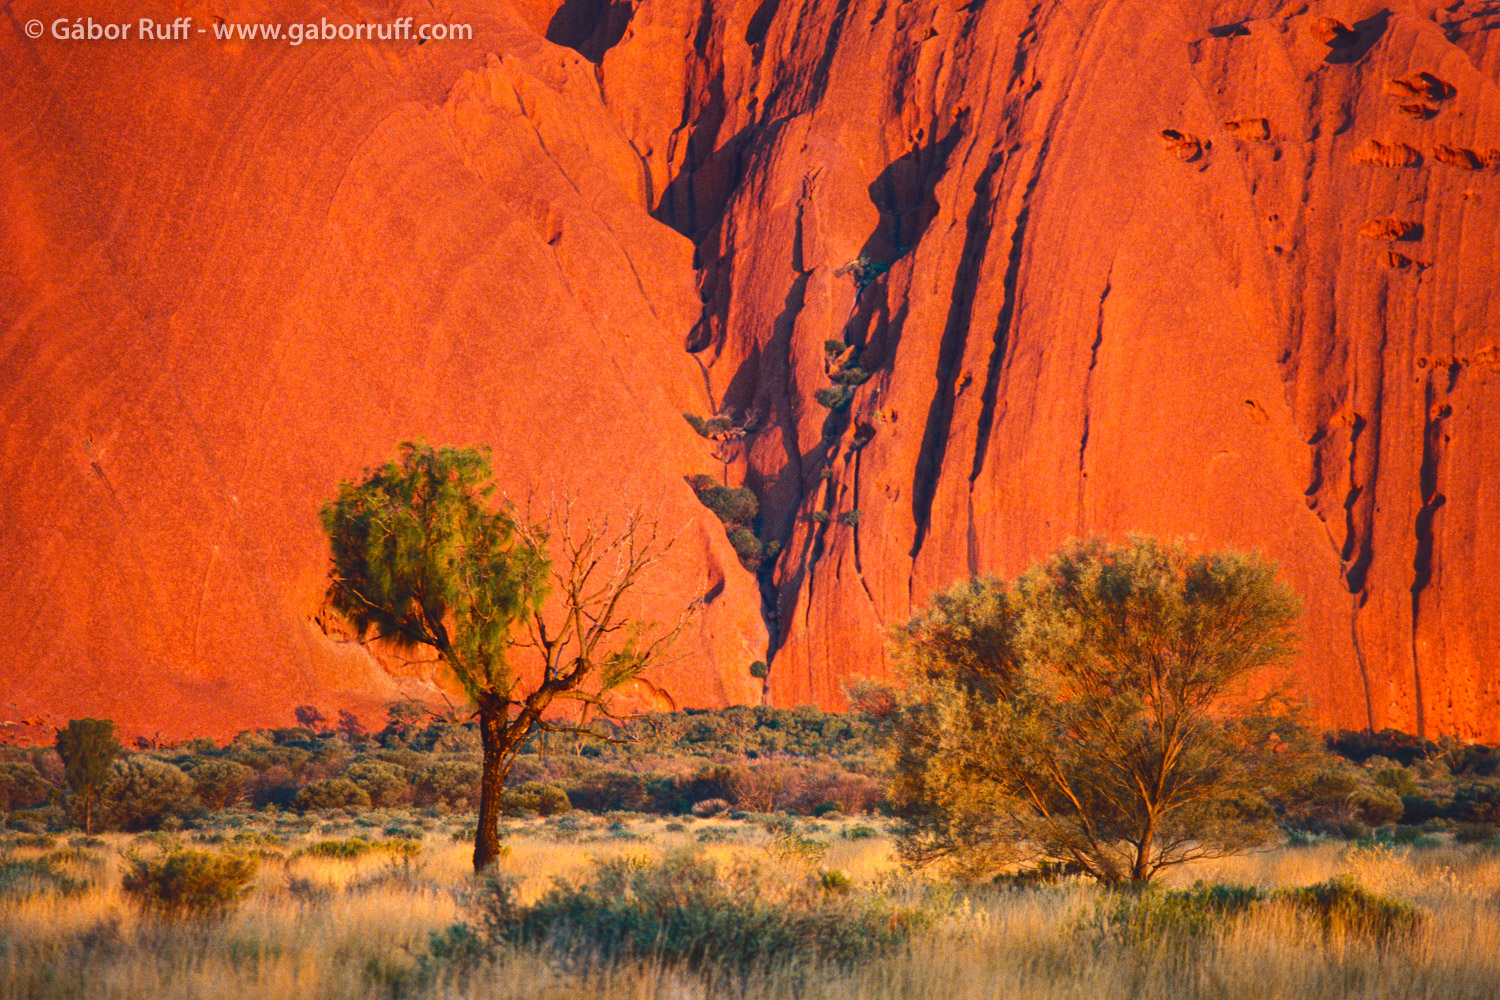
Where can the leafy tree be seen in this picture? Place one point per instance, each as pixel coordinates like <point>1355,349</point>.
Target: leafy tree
<point>88,749</point>
<point>1099,712</point>
<point>422,560</point>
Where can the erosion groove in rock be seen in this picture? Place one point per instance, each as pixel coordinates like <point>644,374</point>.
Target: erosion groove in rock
<point>1101,267</point>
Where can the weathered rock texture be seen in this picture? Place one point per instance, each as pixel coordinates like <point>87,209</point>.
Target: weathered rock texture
<point>1213,269</point>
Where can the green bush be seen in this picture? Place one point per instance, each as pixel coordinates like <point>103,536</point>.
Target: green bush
<point>851,376</point>
<point>357,847</point>
<point>1171,918</point>
<point>1377,805</point>
<point>863,270</point>
<point>36,876</point>
<point>185,883</point>
<point>448,784</point>
<point>835,397</point>
<point>143,793</point>
<point>747,547</point>
<point>221,783</point>
<point>1477,802</point>
<point>331,793</point>
<point>386,784</point>
<point>734,507</point>
<point>1396,778</point>
<point>535,797</point>
<point>342,850</point>
<point>1474,833</point>
<point>21,785</point>
<point>1342,906</point>
<point>760,670</point>
<point>688,910</point>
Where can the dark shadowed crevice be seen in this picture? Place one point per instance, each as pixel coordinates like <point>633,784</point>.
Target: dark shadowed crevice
<point>590,27</point>
<point>1432,502</point>
<point>950,352</point>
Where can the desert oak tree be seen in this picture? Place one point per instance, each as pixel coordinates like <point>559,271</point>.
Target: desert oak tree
<point>422,558</point>
<point>1108,711</point>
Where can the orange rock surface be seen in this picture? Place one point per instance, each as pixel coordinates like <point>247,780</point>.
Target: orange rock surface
<point>232,273</point>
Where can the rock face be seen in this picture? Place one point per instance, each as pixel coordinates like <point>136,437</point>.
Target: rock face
<point>975,277</point>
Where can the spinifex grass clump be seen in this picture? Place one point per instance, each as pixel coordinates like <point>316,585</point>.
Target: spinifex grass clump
<point>37,876</point>
<point>692,911</point>
<point>357,847</point>
<point>1176,918</point>
<point>1342,907</point>
<point>1172,917</point>
<point>183,883</point>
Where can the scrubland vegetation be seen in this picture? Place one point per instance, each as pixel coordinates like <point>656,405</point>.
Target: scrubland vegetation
<point>625,905</point>
<point>744,852</point>
<point>1088,784</point>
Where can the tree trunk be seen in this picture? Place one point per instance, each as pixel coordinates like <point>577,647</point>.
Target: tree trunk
<point>1141,872</point>
<point>88,813</point>
<point>492,712</point>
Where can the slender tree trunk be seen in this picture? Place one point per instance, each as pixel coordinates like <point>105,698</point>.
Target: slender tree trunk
<point>1142,869</point>
<point>88,812</point>
<point>492,783</point>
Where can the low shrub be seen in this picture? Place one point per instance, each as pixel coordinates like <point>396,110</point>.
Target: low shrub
<point>1341,906</point>
<point>36,876</point>
<point>221,783</point>
<point>184,883</point>
<point>344,850</point>
<point>1169,918</point>
<point>331,793</point>
<point>143,793</point>
<point>835,397</point>
<point>1477,802</point>
<point>448,784</point>
<point>689,910</point>
<point>21,785</point>
<point>750,549</point>
<point>734,507</point>
<point>386,784</point>
<point>1474,833</point>
<point>535,797</point>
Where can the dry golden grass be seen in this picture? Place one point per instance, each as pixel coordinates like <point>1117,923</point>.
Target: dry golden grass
<point>330,929</point>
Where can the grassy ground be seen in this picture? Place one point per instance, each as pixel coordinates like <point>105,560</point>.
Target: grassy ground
<point>318,928</point>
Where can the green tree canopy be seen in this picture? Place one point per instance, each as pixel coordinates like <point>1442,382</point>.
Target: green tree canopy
<point>1100,712</point>
<point>420,559</point>
<point>88,749</point>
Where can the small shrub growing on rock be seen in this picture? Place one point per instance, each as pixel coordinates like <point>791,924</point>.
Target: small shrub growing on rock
<point>747,547</point>
<point>835,397</point>
<point>184,883</point>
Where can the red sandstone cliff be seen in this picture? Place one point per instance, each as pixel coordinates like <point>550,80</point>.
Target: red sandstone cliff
<point>1217,269</point>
